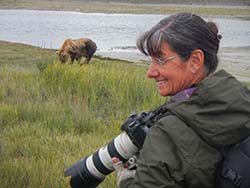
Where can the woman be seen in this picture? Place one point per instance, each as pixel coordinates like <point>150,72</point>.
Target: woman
<point>210,109</point>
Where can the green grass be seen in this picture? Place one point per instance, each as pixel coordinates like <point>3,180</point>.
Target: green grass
<point>51,114</point>
<point>81,6</point>
<point>24,58</point>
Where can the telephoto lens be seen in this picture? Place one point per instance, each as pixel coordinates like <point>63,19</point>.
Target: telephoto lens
<point>90,171</point>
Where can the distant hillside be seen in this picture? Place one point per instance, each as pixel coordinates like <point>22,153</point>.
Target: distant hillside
<point>201,2</point>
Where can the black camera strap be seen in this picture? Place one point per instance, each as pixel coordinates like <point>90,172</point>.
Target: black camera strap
<point>137,125</point>
<point>156,115</point>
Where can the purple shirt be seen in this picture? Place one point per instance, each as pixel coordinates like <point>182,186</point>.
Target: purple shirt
<point>182,95</point>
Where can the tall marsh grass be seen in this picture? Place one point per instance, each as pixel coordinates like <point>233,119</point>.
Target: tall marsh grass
<point>51,115</point>
<point>52,118</point>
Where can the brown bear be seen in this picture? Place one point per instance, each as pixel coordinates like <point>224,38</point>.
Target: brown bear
<point>76,49</point>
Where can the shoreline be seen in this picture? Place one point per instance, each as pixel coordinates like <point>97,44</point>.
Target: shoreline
<point>235,60</point>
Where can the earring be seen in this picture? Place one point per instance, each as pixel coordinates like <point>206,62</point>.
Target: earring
<point>193,70</point>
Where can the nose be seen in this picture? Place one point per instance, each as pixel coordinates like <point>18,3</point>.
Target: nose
<point>153,72</point>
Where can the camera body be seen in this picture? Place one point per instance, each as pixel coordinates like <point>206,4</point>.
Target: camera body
<point>90,171</point>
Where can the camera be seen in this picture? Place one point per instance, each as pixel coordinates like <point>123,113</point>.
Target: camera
<point>90,171</point>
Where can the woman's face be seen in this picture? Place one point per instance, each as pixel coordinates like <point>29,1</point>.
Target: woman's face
<point>173,75</point>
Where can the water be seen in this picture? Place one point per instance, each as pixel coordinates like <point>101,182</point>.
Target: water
<point>111,32</point>
<point>49,29</point>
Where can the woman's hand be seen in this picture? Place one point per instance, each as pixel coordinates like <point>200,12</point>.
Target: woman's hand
<point>124,175</point>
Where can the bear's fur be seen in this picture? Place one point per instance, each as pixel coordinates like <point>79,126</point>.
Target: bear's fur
<point>76,49</point>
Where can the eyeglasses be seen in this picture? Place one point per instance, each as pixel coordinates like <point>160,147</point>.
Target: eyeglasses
<point>161,61</point>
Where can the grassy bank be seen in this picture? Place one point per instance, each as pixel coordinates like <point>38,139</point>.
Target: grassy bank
<point>52,115</point>
<point>122,7</point>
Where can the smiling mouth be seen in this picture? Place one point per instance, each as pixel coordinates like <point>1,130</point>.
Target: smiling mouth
<point>161,83</point>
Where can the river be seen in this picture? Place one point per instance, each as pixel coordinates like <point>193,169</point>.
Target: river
<point>116,34</point>
<point>48,29</point>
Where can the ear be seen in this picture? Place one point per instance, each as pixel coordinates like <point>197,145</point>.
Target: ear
<point>196,61</point>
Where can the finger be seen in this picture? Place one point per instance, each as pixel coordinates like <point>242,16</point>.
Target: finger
<point>115,160</point>
<point>117,164</point>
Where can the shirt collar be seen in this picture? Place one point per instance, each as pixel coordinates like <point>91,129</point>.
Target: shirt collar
<point>182,95</point>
